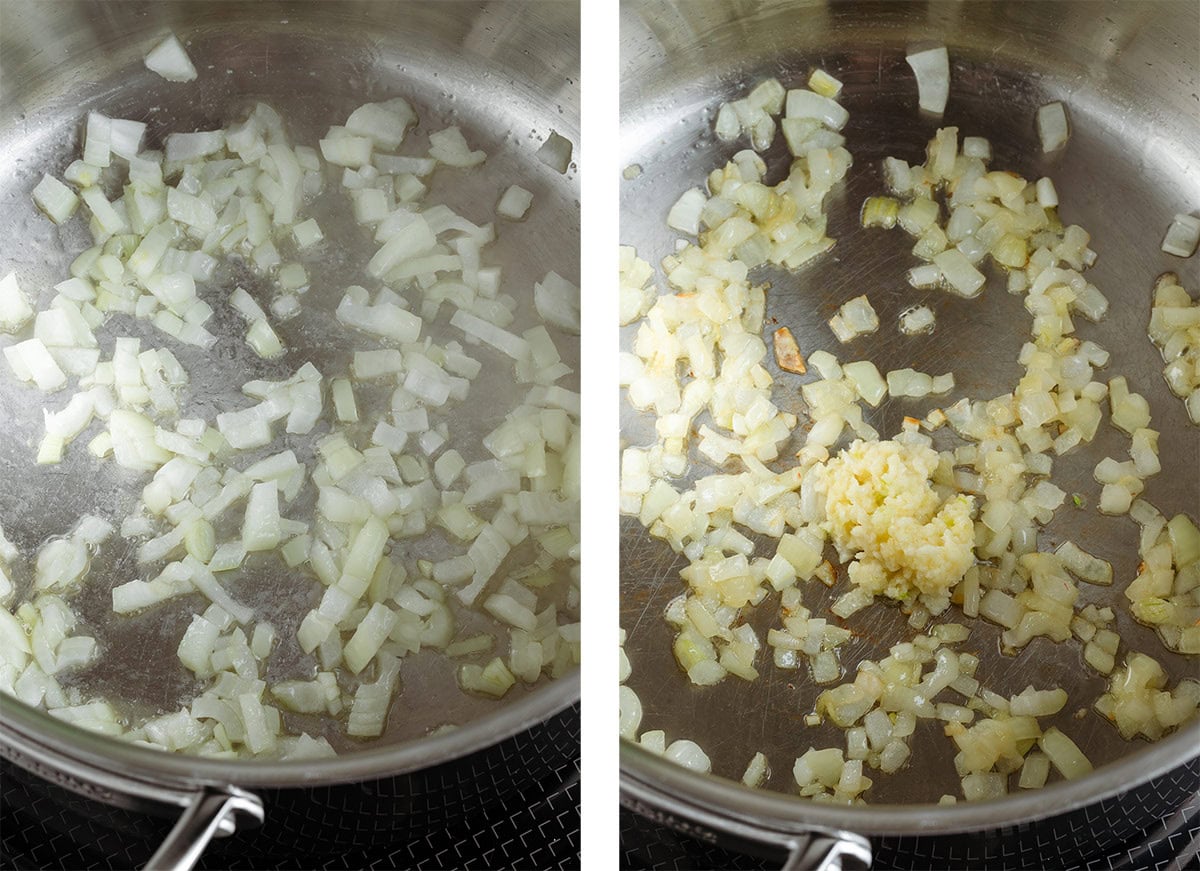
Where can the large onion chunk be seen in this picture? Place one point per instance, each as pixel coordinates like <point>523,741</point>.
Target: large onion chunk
<point>1182,236</point>
<point>917,320</point>
<point>557,301</point>
<point>170,60</point>
<point>855,318</point>
<point>555,152</point>
<point>55,199</point>
<point>1052,126</point>
<point>932,69</point>
<point>15,309</point>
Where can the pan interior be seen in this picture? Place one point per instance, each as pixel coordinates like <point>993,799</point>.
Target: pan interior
<point>1129,167</point>
<point>465,64</point>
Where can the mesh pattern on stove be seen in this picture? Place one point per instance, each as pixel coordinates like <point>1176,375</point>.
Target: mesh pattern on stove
<point>647,845</point>
<point>515,805</point>
<point>1155,826</point>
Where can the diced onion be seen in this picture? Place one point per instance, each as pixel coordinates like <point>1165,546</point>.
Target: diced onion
<point>55,199</point>
<point>917,320</point>
<point>1052,126</point>
<point>555,152</point>
<point>514,203</point>
<point>1181,239</point>
<point>685,214</point>
<point>932,69</point>
<point>15,309</point>
<point>170,60</point>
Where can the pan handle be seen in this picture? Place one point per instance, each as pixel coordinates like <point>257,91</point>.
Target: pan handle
<point>839,851</point>
<point>213,813</point>
<point>208,811</point>
<point>807,848</point>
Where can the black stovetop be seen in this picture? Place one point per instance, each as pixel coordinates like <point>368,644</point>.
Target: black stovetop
<point>532,826</point>
<point>645,845</point>
<point>1171,843</point>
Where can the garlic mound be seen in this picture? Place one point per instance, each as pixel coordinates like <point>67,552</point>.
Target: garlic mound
<point>883,511</point>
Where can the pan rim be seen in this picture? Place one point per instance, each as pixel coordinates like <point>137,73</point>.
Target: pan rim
<point>28,730</point>
<point>660,782</point>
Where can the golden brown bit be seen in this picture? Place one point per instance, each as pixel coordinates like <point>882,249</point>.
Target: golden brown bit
<point>787,352</point>
<point>1167,279</point>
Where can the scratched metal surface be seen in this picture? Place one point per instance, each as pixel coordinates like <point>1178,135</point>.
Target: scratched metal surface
<point>507,73</point>
<point>1128,75</point>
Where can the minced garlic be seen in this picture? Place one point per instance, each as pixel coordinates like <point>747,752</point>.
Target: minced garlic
<point>882,509</point>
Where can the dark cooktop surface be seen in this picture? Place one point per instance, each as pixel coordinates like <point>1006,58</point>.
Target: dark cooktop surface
<point>1167,843</point>
<point>515,806</point>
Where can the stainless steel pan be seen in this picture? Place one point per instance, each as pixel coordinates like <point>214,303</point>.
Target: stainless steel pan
<point>507,73</point>
<point>1128,73</point>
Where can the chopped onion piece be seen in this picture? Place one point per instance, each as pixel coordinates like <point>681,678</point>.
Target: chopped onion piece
<point>689,755</point>
<point>1047,195</point>
<point>1181,239</point>
<point>1084,565</point>
<point>917,320</point>
<point>824,84</point>
<point>867,381</point>
<point>170,60</point>
<point>1052,126</point>
<point>261,529</point>
<point>1064,754</point>
<point>685,214</point>
<point>345,149</point>
<point>15,309</point>
<point>384,123</point>
<point>307,233</point>
<point>932,69</point>
<point>802,103</point>
<point>56,199</point>
<point>186,147</point>
<point>557,301</point>
<point>880,212</point>
<point>959,273</point>
<point>555,152</point>
<point>369,637</point>
<point>514,203</point>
